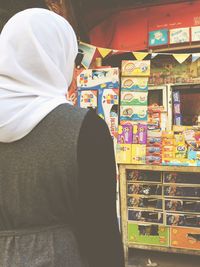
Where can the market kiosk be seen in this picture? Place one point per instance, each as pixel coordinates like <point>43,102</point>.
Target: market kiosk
<point>156,133</point>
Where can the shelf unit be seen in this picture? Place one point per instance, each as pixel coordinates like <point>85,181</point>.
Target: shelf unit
<point>168,231</point>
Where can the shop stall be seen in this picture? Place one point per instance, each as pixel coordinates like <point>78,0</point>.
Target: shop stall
<point>153,113</point>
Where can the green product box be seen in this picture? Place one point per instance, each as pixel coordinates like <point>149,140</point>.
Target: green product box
<point>134,98</point>
<point>148,234</point>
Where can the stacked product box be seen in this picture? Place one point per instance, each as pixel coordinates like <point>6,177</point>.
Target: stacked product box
<point>99,89</point>
<point>177,108</point>
<point>154,137</point>
<point>133,109</point>
<point>181,147</point>
<point>131,143</point>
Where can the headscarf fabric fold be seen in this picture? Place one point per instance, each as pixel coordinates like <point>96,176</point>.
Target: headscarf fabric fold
<point>37,53</point>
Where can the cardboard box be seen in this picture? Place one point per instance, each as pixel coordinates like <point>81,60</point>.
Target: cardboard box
<point>154,151</point>
<point>133,98</point>
<point>187,238</point>
<point>95,79</point>
<point>153,160</point>
<point>138,154</point>
<point>139,84</point>
<point>133,113</point>
<point>108,105</point>
<point>135,68</point>
<point>123,153</point>
<point>149,234</point>
<point>142,176</point>
<point>139,133</point>
<point>125,134</point>
<point>145,216</point>
<point>87,99</point>
<point>144,202</point>
<point>154,141</point>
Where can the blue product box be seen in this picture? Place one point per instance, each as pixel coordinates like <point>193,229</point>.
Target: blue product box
<point>158,37</point>
<point>95,79</point>
<point>108,108</point>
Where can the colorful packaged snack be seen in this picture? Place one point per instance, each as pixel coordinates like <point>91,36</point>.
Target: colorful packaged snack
<point>139,84</point>
<point>133,98</point>
<point>125,134</point>
<point>138,154</point>
<point>123,153</point>
<point>136,68</point>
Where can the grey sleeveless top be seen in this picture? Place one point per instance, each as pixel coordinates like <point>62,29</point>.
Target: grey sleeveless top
<point>38,194</point>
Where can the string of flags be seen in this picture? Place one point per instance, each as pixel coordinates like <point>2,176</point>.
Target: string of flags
<point>90,50</point>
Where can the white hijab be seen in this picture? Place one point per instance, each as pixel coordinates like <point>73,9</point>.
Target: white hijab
<point>37,53</point>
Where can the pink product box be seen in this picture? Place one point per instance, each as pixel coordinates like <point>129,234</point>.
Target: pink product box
<point>154,141</point>
<point>154,151</point>
<point>140,134</point>
<point>153,160</point>
<point>125,134</point>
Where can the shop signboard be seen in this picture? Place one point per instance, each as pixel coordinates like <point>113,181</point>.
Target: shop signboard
<point>195,34</point>
<point>159,37</point>
<point>179,35</point>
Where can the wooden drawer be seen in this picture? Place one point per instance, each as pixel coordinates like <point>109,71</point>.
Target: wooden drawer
<point>184,220</point>
<point>183,205</point>
<point>145,189</point>
<point>144,202</point>
<point>143,176</point>
<point>182,191</point>
<point>149,234</point>
<point>187,238</point>
<point>181,178</point>
<point>145,216</point>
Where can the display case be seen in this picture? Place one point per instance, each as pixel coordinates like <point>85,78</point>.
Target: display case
<point>183,103</point>
<point>160,208</point>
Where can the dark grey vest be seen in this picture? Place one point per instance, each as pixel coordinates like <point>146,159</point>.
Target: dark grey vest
<point>38,194</point>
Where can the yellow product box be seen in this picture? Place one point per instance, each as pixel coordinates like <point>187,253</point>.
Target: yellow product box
<point>181,128</point>
<point>123,153</point>
<point>136,68</point>
<point>168,142</point>
<point>178,128</point>
<point>138,154</point>
<point>168,134</point>
<point>179,138</point>
<point>168,155</point>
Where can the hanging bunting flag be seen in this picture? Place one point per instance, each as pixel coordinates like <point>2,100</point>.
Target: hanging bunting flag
<point>181,57</point>
<point>195,56</point>
<point>153,55</point>
<point>88,51</point>
<point>139,55</point>
<point>104,51</point>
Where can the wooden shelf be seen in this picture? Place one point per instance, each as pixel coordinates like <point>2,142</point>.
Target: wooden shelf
<point>161,168</point>
<point>164,249</point>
